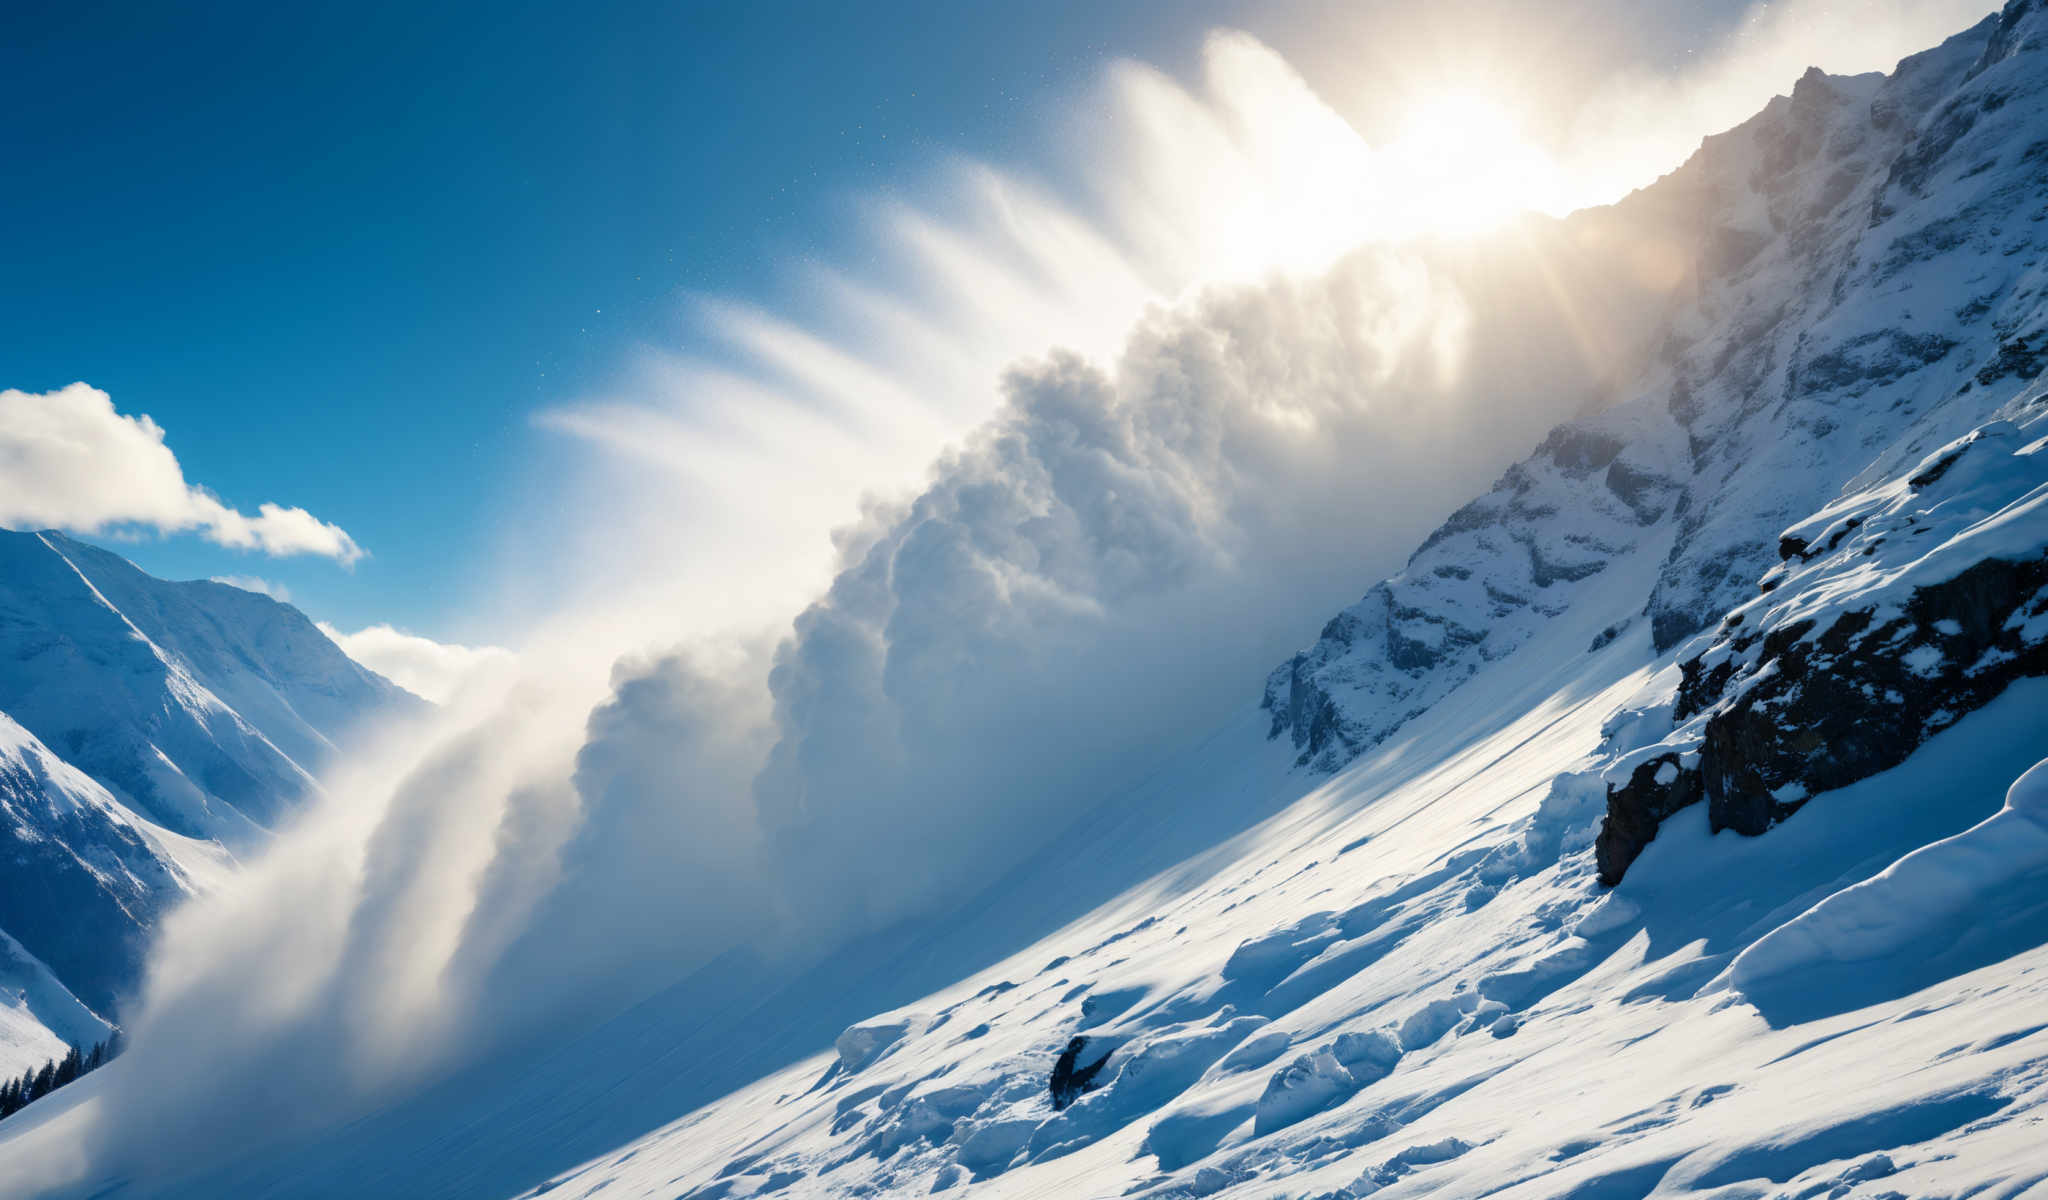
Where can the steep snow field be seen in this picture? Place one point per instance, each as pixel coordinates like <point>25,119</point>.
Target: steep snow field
<point>39,1019</point>
<point>1408,981</point>
<point>1785,580</point>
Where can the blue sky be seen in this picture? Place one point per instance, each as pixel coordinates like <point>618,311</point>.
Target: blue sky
<point>342,253</point>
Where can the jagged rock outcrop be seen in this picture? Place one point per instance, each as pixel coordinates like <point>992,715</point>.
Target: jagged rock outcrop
<point>1069,1078</point>
<point>1480,585</point>
<point>1896,611</point>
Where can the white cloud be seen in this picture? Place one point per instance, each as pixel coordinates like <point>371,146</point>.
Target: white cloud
<point>422,666</point>
<point>257,584</point>
<point>68,460</point>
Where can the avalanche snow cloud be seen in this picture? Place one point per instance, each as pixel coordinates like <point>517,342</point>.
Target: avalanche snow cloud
<point>1091,577</point>
<point>1100,566</point>
<point>1083,585</point>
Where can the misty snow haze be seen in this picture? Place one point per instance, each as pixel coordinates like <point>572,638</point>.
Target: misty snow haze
<point>891,642</point>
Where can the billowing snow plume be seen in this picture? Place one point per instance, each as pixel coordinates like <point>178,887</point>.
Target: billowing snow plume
<point>1095,568</point>
<point>1084,582</point>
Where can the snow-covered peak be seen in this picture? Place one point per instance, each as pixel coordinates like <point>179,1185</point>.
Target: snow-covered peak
<point>148,731</point>
<point>203,706</point>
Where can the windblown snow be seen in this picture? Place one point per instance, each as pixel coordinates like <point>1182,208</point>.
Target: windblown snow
<point>1674,823</point>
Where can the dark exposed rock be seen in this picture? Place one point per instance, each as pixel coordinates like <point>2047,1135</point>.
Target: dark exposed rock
<point>1069,1080</point>
<point>2020,357</point>
<point>1657,789</point>
<point>1871,360</point>
<point>1821,711</point>
<point>1647,494</point>
<point>1578,450</point>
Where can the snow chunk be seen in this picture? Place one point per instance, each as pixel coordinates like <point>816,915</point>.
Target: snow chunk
<point>1302,1088</point>
<point>862,1044</point>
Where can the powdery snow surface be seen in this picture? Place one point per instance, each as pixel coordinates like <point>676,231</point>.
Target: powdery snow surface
<point>1354,943</point>
<point>1409,983</point>
<point>39,1019</point>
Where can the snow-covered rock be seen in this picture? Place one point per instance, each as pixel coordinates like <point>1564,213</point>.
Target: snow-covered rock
<point>1896,610</point>
<point>1482,584</point>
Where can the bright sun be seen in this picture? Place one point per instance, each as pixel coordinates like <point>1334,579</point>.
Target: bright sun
<point>1462,164</point>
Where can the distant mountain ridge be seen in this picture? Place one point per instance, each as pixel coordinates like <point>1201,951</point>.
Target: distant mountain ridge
<point>149,730</point>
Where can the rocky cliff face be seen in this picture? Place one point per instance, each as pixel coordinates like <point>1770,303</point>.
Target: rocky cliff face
<point>1482,584</point>
<point>1870,287</point>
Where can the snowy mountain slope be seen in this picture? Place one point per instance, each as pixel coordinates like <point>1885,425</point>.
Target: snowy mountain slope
<point>1409,980</point>
<point>39,1017</point>
<point>201,705</point>
<point>147,729</point>
<point>85,877</point>
<point>1500,569</point>
<point>1897,609</point>
<point>1871,286</point>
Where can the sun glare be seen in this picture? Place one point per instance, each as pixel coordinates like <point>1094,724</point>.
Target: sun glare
<point>1255,172</point>
<point>1462,164</point>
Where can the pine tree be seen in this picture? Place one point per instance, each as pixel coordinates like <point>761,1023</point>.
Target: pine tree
<point>97,1057</point>
<point>46,1079</point>
<point>68,1067</point>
